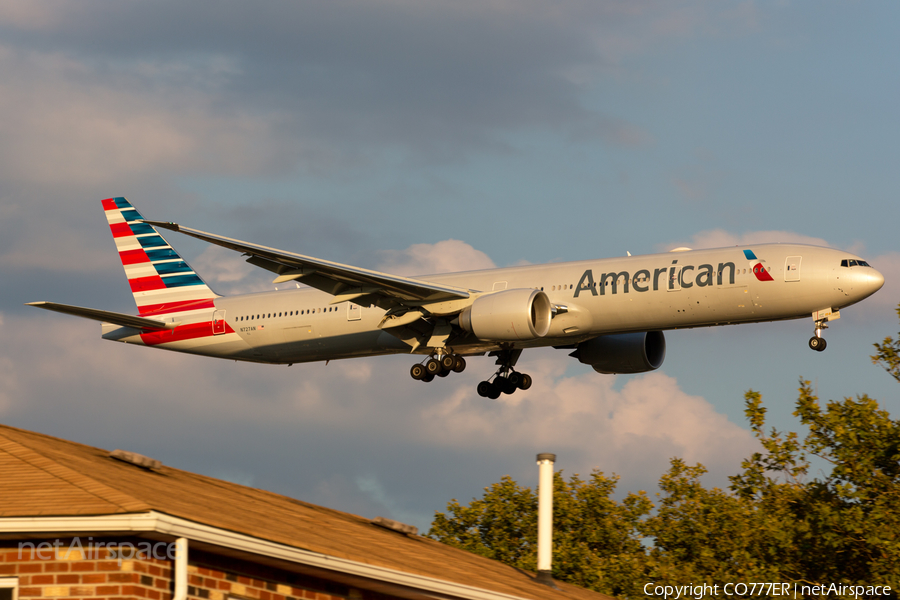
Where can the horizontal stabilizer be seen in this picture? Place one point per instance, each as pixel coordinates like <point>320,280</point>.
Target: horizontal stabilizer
<point>106,316</point>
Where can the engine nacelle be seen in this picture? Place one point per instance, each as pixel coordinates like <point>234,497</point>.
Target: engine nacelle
<point>624,352</point>
<point>508,316</point>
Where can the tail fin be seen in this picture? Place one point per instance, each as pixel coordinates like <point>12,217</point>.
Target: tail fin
<point>161,281</point>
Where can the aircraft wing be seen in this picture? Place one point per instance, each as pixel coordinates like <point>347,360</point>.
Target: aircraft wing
<point>105,316</point>
<point>342,281</point>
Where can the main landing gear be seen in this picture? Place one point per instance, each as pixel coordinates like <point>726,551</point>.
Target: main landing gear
<point>438,366</point>
<point>506,380</point>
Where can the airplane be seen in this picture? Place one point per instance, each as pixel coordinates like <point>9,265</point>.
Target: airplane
<point>610,313</point>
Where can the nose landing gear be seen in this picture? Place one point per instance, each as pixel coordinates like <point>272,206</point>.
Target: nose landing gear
<point>817,343</point>
<point>821,318</point>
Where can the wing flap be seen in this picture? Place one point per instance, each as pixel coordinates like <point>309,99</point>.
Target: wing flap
<point>106,316</point>
<point>331,277</point>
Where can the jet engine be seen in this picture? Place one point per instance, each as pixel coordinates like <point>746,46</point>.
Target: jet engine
<point>508,316</point>
<point>624,352</point>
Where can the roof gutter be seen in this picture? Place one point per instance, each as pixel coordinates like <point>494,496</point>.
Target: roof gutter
<point>189,530</point>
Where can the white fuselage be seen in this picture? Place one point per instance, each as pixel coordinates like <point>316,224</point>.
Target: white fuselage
<point>693,288</point>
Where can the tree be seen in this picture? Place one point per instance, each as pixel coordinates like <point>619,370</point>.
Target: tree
<point>774,523</point>
<point>888,355</point>
<point>596,540</point>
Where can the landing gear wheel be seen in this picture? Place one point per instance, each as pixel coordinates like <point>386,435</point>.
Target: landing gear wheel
<point>443,373</point>
<point>417,372</point>
<point>460,365</point>
<point>485,388</point>
<point>448,361</point>
<point>433,367</point>
<point>816,343</point>
<point>494,393</point>
<point>504,385</point>
<point>428,378</point>
<point>525,381</point>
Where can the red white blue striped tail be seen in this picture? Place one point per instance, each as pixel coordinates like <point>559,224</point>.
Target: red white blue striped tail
<point>161,281</point>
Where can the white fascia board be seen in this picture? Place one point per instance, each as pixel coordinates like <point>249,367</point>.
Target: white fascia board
<point>174,526</point>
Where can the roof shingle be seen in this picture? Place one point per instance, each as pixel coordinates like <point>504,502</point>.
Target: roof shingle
<point>46,476</point>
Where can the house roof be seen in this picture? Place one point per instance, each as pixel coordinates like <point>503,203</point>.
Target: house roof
<point>45,476</point>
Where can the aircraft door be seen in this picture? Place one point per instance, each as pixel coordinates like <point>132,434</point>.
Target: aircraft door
<point>792,268</point>
<point>218,322</point>
<point>354,312</point>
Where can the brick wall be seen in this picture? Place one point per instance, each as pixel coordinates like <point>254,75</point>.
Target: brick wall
<point>213,577</point>
<point>85,570</point>
<point>94,572</point>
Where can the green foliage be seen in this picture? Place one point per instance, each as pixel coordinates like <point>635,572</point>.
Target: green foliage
<point>774,523</point>
<point>502,525</point>
<point>597,541</point>
<point>888,355</point>
<point>771,525</point>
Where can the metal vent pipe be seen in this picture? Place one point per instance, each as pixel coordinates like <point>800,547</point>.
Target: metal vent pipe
<point>545,461</point>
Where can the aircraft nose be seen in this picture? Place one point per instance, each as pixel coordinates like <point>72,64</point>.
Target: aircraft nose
<point>873,281</point>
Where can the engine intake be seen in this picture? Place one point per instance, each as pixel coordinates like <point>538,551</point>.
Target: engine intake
<point>624,352</point>
<point>508,316</point>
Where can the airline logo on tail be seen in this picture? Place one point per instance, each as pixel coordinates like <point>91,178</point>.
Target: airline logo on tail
<point>161,281</point>
<point>758,269</point>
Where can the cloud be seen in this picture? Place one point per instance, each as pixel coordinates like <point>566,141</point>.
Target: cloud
<point>121,123</point>
<point>720,238</point>
<point>226,272</point>
<point>631,430</point>
<point>140,88</point>
<point>446,256</point>
<point>393,444</point>
<point>692,190</point>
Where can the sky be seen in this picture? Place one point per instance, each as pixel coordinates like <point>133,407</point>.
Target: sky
<point>426,136</point>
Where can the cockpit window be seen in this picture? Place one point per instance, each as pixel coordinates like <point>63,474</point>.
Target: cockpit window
<point>852,262</point>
